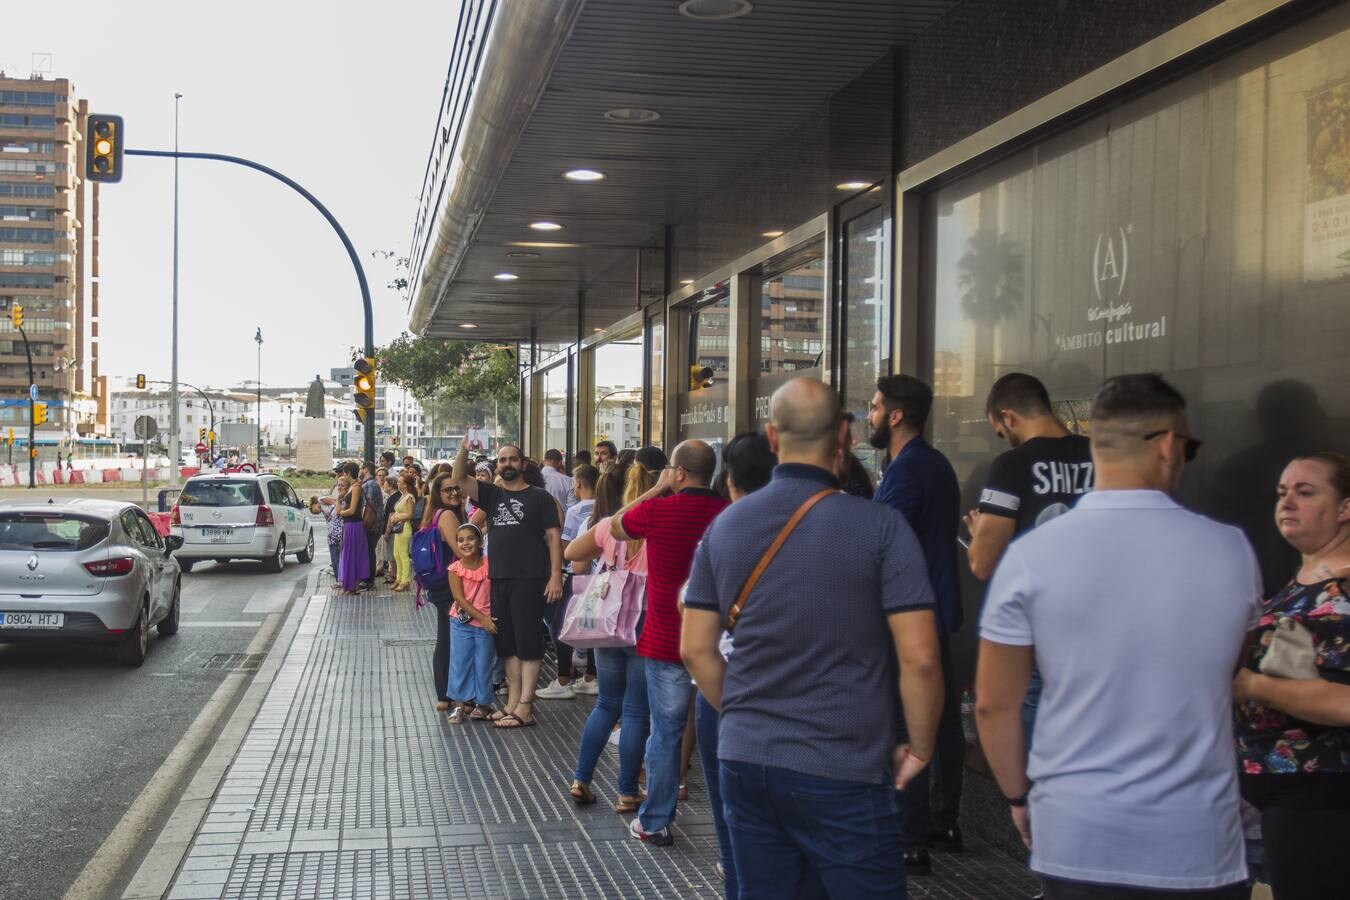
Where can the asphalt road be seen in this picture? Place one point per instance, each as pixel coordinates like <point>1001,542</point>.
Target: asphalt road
<point>80,735</point>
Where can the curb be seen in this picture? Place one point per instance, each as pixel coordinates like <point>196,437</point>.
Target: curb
<point>160,864</point>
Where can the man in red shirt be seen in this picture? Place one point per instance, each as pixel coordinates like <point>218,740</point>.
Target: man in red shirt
<point>671,518</point>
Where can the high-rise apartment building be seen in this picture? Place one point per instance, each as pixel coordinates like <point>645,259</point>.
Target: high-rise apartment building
<point>48,254</point>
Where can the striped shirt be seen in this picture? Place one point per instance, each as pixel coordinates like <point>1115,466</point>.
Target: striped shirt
<point>672,527</point>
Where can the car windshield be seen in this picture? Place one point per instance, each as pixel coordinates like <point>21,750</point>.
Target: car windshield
<point>221,493</point>
<point>49,531</point>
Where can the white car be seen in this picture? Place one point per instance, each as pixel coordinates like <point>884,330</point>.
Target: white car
<point>86,571</point>
<point>240,515</point>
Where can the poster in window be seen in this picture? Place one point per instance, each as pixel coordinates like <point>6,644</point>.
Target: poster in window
<point>1326,228</point>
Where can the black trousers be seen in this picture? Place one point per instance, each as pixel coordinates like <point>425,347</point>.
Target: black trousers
<point>1305,852</point>
<point>917,816</point>
<point>1060,889</point>
<point>440,660</point>
<point>371,538</point>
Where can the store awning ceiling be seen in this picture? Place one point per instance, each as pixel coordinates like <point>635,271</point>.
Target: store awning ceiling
<point>550,71</point>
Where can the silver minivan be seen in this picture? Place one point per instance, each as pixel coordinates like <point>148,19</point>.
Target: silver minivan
<point>240,515</point>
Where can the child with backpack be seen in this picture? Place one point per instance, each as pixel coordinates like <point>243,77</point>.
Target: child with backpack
<point>473,629</point>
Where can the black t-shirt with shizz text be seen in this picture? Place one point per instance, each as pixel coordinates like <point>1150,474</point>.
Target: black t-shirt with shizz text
<point>516,522</point>
<point>1038,480</point>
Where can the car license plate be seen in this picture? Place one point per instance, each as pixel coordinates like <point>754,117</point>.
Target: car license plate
<point>217,535</point>
<point>32,620</point>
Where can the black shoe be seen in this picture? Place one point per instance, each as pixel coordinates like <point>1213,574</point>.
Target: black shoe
<point>947,840</point>
<point>917,862</point>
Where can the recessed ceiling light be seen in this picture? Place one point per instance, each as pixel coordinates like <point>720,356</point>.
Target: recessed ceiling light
<point>546,226</point>
<point>852,185</point>
<point>686,281</point>
<point>542,245</point>
<point>467,325</point>
<point>523,254</point>
<point>632,115</point>
<point>505,276</point>
<point>771,234</point>
<point>583,175</point>
<point>598,330</point>
<point>715,10</point>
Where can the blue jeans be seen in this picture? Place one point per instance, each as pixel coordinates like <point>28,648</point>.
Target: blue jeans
<point>668,690</point>
<point>706,720</point>
<point>788,828</point>
<point>917,818</point>
<point>623,692</point>
<point>471,663</point>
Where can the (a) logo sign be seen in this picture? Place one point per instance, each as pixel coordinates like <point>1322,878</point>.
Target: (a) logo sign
<point>1111,264</point>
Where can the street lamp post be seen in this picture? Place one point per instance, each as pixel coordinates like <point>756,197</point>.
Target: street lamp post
<point>175,434</point>
<point>258,337</point>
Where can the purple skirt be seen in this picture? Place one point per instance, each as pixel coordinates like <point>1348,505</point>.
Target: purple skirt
<point>354,566</point>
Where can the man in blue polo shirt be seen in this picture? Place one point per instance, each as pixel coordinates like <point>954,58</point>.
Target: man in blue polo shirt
<point>921,485</point>
<point>808,781</point>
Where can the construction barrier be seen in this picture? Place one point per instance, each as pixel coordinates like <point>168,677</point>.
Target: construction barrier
<point>112,475</point>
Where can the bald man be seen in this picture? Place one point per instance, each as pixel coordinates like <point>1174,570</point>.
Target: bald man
<point>809,782</point>
<point>671,518</point>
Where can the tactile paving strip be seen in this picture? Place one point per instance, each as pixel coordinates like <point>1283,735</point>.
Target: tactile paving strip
<point>351,784</point>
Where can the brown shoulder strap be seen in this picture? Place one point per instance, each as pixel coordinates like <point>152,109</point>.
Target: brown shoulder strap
<point>735,612</point>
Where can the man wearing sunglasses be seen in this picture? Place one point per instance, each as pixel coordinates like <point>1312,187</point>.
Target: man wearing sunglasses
<point>1135,610</point>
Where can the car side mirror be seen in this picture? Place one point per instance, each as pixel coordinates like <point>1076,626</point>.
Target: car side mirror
<point>172,542</point>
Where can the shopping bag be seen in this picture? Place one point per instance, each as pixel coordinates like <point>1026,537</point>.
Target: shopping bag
<point>599,612</point>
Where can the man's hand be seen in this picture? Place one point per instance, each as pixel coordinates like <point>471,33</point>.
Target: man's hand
<point>971,519</point>
<point>489,625</point>
<point>666,483</point>
<point>1021,817</point>
<point>553,593</point>
<point>1242,685</point>
<point>905,765</point>
<point>464,441</point>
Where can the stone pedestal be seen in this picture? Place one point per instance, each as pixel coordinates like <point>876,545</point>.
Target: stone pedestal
<point>314,446</point>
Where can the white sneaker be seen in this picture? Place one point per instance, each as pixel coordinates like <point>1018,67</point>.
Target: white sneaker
<point>583,686</point>
<point>614,737</point>
<point>556,691</point>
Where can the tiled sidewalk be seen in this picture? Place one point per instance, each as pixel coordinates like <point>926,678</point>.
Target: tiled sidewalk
<point>350,784</point>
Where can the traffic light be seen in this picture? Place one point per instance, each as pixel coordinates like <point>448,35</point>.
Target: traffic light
<point>395,440</point>
<point>16,316</point>
<point>363,389</point>
<point>700,377</point>
<point>140,382</point>
<point>201,435</point>
<point>39,413</point>
<point>104,142</point>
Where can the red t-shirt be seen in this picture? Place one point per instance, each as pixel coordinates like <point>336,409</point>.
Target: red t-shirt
<point>672,527</point>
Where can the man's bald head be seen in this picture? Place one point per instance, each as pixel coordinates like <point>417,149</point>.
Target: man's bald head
<point>698,460</point>
<point>805,417</point>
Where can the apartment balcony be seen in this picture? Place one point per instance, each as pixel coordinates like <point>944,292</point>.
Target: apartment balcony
<point>63,133</point>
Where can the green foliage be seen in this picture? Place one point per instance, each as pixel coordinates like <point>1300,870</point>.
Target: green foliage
<point>460,383</point>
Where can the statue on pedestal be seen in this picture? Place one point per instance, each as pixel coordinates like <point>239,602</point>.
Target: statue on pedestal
<point>314,403</point>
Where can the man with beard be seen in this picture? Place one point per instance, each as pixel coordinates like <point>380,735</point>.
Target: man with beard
<point>525,568</point>
<point>920,484</point>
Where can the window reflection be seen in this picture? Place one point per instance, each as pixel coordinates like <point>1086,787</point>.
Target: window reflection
<point>618,391</point>
<point>867,321</point>
<point>656,375</point>
<point>555,408</point>
<point>791,328</point>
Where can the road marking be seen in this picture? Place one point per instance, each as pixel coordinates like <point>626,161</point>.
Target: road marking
<point>113,854</point>
<point>244,624</point>
<point>268,600</point>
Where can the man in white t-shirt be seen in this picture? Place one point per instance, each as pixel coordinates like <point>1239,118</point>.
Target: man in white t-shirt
<point>556,481</point>
<point>1135,611</point>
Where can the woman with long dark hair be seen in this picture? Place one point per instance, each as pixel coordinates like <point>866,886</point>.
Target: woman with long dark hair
<point>443,510</point>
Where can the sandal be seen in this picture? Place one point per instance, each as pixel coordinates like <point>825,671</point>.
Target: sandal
<point>481,713</point>
<point>627,805</point>
<point>511,720</point>
<point>442,704</point>
<point>456,716</point>
<point>581,793</point>
<point>497,715</point>
<point>684,793</point>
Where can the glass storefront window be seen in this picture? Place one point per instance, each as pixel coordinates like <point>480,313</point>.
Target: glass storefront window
<point>792,327</point>
<point>618,391</point>
<point>867,320</point>
<point>555,408</point>
<point>703,392</point>
<point>656,376</point>
<point>1201,231</point>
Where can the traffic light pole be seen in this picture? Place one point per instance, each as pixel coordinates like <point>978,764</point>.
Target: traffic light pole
<point>369,426</point>
<point>210,408</point>
<point>32,414</point>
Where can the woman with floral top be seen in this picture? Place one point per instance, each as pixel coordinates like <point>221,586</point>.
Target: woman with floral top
<point>1293,734</point>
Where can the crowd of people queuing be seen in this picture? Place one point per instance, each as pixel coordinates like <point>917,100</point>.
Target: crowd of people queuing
<point>1133,690</point>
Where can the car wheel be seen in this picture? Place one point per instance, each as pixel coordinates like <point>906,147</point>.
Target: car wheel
<point>186,564</point>
<point>307,554</point>
<point>132,650</point>
<point>168,626</point>
<point>278,560</point>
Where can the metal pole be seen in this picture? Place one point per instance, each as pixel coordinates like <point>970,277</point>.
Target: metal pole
<point>323,210</point>
<point>32,413</point>
<point>145,461</point>
<point>175,437</point>
<point>258,337</point>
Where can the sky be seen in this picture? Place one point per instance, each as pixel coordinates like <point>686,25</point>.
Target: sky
<point>340,96</point>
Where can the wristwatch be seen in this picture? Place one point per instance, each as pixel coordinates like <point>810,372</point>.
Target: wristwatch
<point>1017,801</point>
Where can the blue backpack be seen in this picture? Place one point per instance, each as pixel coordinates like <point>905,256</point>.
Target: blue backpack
<point>429,558</point>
